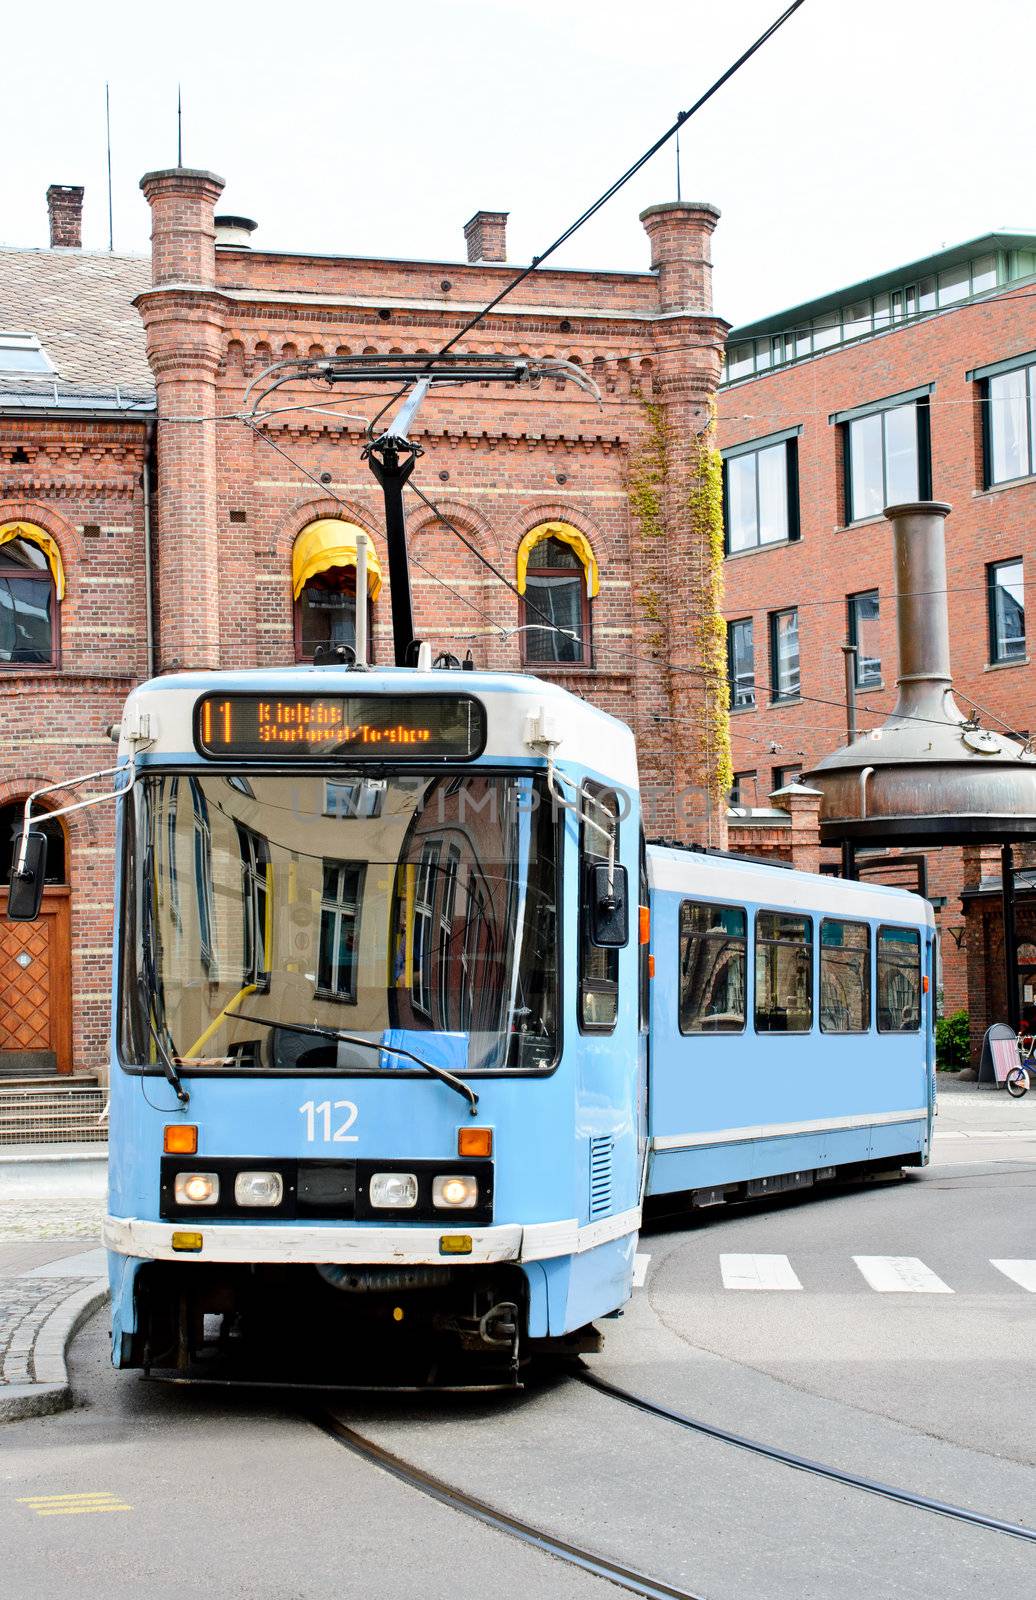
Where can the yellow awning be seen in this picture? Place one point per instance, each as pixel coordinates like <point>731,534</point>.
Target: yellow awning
<point>567,535</point>
<point>34,535</point>
<point>330,543</point>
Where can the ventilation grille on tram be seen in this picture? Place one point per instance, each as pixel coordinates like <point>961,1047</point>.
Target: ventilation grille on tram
<point>600,1176</point>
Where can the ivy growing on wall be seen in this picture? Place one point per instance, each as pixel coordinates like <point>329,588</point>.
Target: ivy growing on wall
<point>706,507</point>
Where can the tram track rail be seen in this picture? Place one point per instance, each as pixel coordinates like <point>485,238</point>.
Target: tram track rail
<point>816,1469</point>
<point>415,1477</point>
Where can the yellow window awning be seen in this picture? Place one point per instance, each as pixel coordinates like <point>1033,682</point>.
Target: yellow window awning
<point>36,536</point>
<point>330,543</point>
<point>565,532</point>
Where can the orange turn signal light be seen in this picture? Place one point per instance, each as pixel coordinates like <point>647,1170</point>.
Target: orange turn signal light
<point>924,984</point>
<point>186,1241</point>
<point>474,1141</point>
<point>455,1244</point>
<point>645,924</point>
<point>651,966</point>
<point>180,1139</point>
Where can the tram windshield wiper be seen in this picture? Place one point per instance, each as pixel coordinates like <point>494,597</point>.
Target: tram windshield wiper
<point>449,1078</point>
<point>165,1060</point>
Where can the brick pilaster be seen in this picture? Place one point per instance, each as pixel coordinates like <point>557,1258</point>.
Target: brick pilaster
<point>184,324</point>
<point>690,343</point>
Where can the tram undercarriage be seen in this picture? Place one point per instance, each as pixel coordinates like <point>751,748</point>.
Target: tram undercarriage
<point>349,1327</point>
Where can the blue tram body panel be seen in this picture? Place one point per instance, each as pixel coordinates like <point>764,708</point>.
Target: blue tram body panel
<point>312,887</point>
<point>567,1143</point>
<point>727,1107</point>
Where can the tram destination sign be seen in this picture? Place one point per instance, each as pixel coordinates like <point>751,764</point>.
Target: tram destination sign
<point>364,727</point>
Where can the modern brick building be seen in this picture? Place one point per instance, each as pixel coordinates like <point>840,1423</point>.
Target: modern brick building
<point>148,527</point>
<point>917,383</point>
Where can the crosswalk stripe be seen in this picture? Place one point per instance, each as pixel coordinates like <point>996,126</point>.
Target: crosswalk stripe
<point>757,1272</point>
<point>1021,1272</point>
<point>900,1275</point>
<point>640,1267</point>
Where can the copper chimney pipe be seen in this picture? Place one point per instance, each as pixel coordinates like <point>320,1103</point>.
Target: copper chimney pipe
<point>929,774</point>
<point>922,616</point>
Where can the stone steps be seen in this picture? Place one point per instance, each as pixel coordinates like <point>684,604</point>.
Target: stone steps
<point>52,1111</point>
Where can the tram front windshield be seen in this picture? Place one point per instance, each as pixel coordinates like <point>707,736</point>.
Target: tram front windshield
<point>411,911</point>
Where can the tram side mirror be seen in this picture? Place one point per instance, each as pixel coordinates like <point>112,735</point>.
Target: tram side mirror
<point>609,906</point>
<point>25,888</point>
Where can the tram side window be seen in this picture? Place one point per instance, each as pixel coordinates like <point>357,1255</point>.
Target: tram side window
<point>712,968</point>
<point>783,972</point>
<point>845,979</point>
<point>899,980</point>
<point>598,969</point>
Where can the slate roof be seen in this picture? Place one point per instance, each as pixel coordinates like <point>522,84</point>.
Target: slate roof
<point>79,304</point>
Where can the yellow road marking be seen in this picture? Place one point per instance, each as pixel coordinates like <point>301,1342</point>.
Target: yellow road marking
<point>73,1505</point>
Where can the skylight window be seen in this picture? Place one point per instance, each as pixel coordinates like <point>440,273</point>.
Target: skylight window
<point>22,354</point>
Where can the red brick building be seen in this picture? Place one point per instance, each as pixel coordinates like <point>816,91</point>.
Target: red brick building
<point>152,528</point>
<point>915,384</point>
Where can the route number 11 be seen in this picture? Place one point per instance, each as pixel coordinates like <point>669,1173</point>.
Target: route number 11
<point>318,1113</point>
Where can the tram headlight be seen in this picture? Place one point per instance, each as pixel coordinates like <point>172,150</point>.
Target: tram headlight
<point>258,1189</point>
<point>196,1188</point>
<point>453,1192</point>
<point>393,1191</point>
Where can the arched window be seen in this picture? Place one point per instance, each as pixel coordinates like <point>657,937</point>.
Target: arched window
<point>324,586</point>
<point>32,582</point>
<point>557,575</point>
<point>11,819</point>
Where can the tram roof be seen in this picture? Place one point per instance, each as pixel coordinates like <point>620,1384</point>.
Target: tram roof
<point>700,875</point>
<point>587,735</point>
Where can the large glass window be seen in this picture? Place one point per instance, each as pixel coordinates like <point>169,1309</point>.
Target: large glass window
<point>741,664</point>
<point>438,929</point>
<point>784,655</point>
<point>783,972</point>
<point>712,968</point>
<point>899,980</point>
<point>864,613</point>
<point>760,495</point>
<point>1006,611</point>
<point>598,968</point>
<point>556,608</point>
<point>744,788</point>
<point>845,983</point>
<point>886,459</point>
<point>1009,418</point>
<point>28,607</point>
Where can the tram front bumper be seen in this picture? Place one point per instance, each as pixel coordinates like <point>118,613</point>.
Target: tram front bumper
<point>345,1244</point>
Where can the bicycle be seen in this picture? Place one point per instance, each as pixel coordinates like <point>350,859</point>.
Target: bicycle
<point>1017,1080</point>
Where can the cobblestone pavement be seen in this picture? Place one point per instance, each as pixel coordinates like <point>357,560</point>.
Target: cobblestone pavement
<point>51,1219</point>
<point>25,1304</point>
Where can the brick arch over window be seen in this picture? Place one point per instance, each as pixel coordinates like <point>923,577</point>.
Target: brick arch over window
<point>32,586</point>
<point>476,609</point>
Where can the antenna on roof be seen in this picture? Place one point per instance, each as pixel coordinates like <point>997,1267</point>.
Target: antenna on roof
<point>679,196</point>
<point>108,126</point>
<point>179,127</point>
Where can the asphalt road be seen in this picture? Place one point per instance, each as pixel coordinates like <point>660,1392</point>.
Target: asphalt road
<point>927,1388</point>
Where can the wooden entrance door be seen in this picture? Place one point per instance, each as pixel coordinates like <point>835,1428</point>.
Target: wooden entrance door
<point>36,989</point>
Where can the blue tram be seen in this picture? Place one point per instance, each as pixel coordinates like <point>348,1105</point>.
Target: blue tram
<point>409,1021</point>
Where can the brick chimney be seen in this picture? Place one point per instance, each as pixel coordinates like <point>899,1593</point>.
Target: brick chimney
<point>486,236</point>
<point>681,235</point>
<point>65,210</point>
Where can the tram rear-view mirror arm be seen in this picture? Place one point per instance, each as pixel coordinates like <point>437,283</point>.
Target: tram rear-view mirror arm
<point>608,888</point>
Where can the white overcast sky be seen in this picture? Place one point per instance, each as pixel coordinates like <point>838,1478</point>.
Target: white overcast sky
<point>861,137</point>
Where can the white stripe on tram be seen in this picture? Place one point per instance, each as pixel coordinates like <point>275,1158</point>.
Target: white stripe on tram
<point>757,1272</point>
<point>900,1275</point>
<point>1021,1272</point>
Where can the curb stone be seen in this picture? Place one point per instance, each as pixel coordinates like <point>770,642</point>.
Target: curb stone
<point>52,1390</point>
